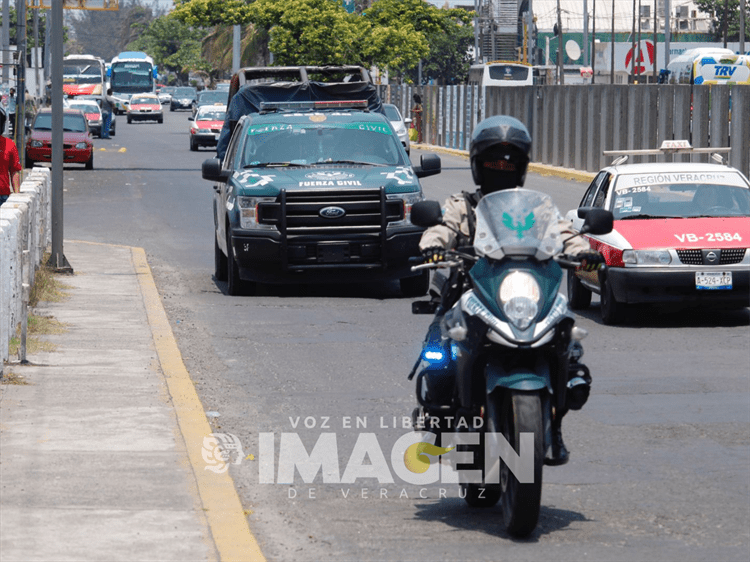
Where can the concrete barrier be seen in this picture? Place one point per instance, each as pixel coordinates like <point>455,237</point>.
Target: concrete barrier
<point>25,224</point>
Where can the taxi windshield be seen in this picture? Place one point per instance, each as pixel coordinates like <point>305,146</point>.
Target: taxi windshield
<point>681,195</point>
<point>309,143</point>
<point>86,108</point>
<point>211,115</point>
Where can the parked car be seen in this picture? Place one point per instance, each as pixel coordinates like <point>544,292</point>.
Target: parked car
<point>145,107</point>
<point>681,233</point>
<point>77,144</point>
<point>183,98</point>
<point>399,124</point>
<point>206,126</point>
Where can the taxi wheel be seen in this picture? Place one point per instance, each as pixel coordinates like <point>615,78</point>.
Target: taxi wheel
<point>612,310</point>
<point>579,297</point>
<point>129,119</point>
<point>193,145</point>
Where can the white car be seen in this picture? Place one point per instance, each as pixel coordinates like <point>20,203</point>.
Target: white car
<point>399,124</point>
<point>92,112</point>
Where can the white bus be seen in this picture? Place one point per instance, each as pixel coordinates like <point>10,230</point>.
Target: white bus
<point>709,66</point>
<point>84,75</point>
<point>501,73</point>
<point>131,72</point>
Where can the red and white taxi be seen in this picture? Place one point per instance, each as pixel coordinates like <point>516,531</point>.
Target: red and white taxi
<point>145,107</point>
<point>681,235</point>
<point>92,112</point>
<point>206,125</point>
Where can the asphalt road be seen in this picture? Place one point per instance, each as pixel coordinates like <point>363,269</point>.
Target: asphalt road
<point>660,456</point>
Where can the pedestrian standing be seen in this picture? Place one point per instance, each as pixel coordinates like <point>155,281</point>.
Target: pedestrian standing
<point>10,165</point>
<point>12,112</point>
<point>107,108</point>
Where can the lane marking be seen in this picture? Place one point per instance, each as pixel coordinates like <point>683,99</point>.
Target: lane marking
<point>223,510</point>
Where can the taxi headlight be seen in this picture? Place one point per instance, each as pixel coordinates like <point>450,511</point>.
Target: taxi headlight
<point>81,145</point>
<point>519,295</point>
<point>646,257</point>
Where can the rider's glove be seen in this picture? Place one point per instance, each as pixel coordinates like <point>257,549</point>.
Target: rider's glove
<point>433,254</point>
<point>590,261</point>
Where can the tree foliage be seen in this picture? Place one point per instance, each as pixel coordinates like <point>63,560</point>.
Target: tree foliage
<point>174,46</point>
<point>715,9</point>
<point>107,33</point>
<point>393,34</point>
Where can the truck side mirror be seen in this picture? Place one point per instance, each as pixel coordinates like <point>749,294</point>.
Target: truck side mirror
<point>211,171</point>
<point>429,166</point>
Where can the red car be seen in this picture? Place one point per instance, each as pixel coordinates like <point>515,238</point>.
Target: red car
<point>77,145</point>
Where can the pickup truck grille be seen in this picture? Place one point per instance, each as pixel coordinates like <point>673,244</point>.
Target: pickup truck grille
<point>332,228</point>
<point>357,211</point>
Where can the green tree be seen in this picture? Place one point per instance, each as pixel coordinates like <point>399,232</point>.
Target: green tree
<point>174,46</point>
<point>448,61</point>
<point>721,11</point>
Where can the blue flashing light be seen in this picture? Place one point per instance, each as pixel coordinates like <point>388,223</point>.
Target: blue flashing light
<point>434,356</point>
<point>708,60</point>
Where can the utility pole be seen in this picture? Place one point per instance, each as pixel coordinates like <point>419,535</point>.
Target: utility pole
<point>586,59</point>
<point>640,54</point>
<point>593,46</point>
<point>656,31</point>
<point>726,21</point>
<point>612,53</point>
<point>560,48</point>
<point>6,40</point>
<point>742,26</point>
<point>631,80</point>
<point>667,32</point>
<point>19,128</point>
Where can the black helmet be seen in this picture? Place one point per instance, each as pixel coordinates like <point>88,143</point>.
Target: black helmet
<point>499,153</point>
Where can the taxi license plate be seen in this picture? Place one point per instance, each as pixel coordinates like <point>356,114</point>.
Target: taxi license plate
<point>713,280</point>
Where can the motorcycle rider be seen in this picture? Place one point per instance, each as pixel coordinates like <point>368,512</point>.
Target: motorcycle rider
<point>499,154</point>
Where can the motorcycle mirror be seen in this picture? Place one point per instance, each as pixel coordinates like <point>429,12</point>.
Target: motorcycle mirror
<point>426,213</point>
<point>597,221</point>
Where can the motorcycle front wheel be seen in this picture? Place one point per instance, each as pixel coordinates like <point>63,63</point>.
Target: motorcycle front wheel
<point>521,412</point>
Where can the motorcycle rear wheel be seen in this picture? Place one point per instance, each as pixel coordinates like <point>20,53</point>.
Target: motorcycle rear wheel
<point>521,413</point>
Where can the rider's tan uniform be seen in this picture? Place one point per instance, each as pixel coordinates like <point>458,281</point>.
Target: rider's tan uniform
<point>456,217</point>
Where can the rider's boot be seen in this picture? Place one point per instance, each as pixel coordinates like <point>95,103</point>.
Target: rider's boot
<point>557,454</point>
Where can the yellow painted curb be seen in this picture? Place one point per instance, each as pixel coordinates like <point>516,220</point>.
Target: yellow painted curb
<point>226,518</point>
<point>541,169</point>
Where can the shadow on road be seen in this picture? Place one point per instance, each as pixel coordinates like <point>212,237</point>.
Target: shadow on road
<point>456,513</point>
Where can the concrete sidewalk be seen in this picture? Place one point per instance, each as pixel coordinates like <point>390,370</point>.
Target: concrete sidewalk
<point>100,454</point>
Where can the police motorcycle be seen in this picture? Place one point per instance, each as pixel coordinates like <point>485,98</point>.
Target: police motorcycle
<point>503,349</point>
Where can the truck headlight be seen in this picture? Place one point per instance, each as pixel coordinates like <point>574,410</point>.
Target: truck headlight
<point>519,295</point>
<point>248,207</point>
<point>408,199</point>
<point>646,257</point>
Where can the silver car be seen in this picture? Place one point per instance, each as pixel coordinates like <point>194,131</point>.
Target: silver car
<point>398,123</point>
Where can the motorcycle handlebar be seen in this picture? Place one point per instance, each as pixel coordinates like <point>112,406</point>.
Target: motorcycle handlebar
<point>436,265</point>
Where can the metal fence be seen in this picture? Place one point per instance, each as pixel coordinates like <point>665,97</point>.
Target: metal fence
<point>572,125</point>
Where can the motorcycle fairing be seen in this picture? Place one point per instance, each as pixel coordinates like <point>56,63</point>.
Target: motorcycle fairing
<point>504,370</point>
<point>487,276</point>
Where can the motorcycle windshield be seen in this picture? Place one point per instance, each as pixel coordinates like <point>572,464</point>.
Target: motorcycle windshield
<point>517,222</point>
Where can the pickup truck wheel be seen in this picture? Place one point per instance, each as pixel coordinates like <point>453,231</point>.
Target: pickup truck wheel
<point>235,285</point>
<point>220,263</point>
<point>415,286</point>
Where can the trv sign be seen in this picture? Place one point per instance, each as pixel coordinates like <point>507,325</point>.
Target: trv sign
<point>414,458</point>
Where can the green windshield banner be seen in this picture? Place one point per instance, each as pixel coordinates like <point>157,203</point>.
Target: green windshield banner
<point>381,128</point>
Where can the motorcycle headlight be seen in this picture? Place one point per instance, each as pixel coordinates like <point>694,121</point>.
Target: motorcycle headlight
<point>519,295</point>
<point>646,257</point>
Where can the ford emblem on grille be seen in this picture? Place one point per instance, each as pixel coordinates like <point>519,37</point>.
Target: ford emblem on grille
<point>332,212</point>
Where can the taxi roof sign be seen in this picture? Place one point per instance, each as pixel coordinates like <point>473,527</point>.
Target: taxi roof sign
<point>667,147</point>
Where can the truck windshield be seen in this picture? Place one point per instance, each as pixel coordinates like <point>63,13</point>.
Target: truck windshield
<point>310,143</point>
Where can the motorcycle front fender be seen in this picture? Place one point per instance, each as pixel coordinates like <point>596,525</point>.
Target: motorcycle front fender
<point>503,371</point>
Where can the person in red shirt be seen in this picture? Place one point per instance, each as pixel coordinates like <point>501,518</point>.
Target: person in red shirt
<point>10,165</point>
